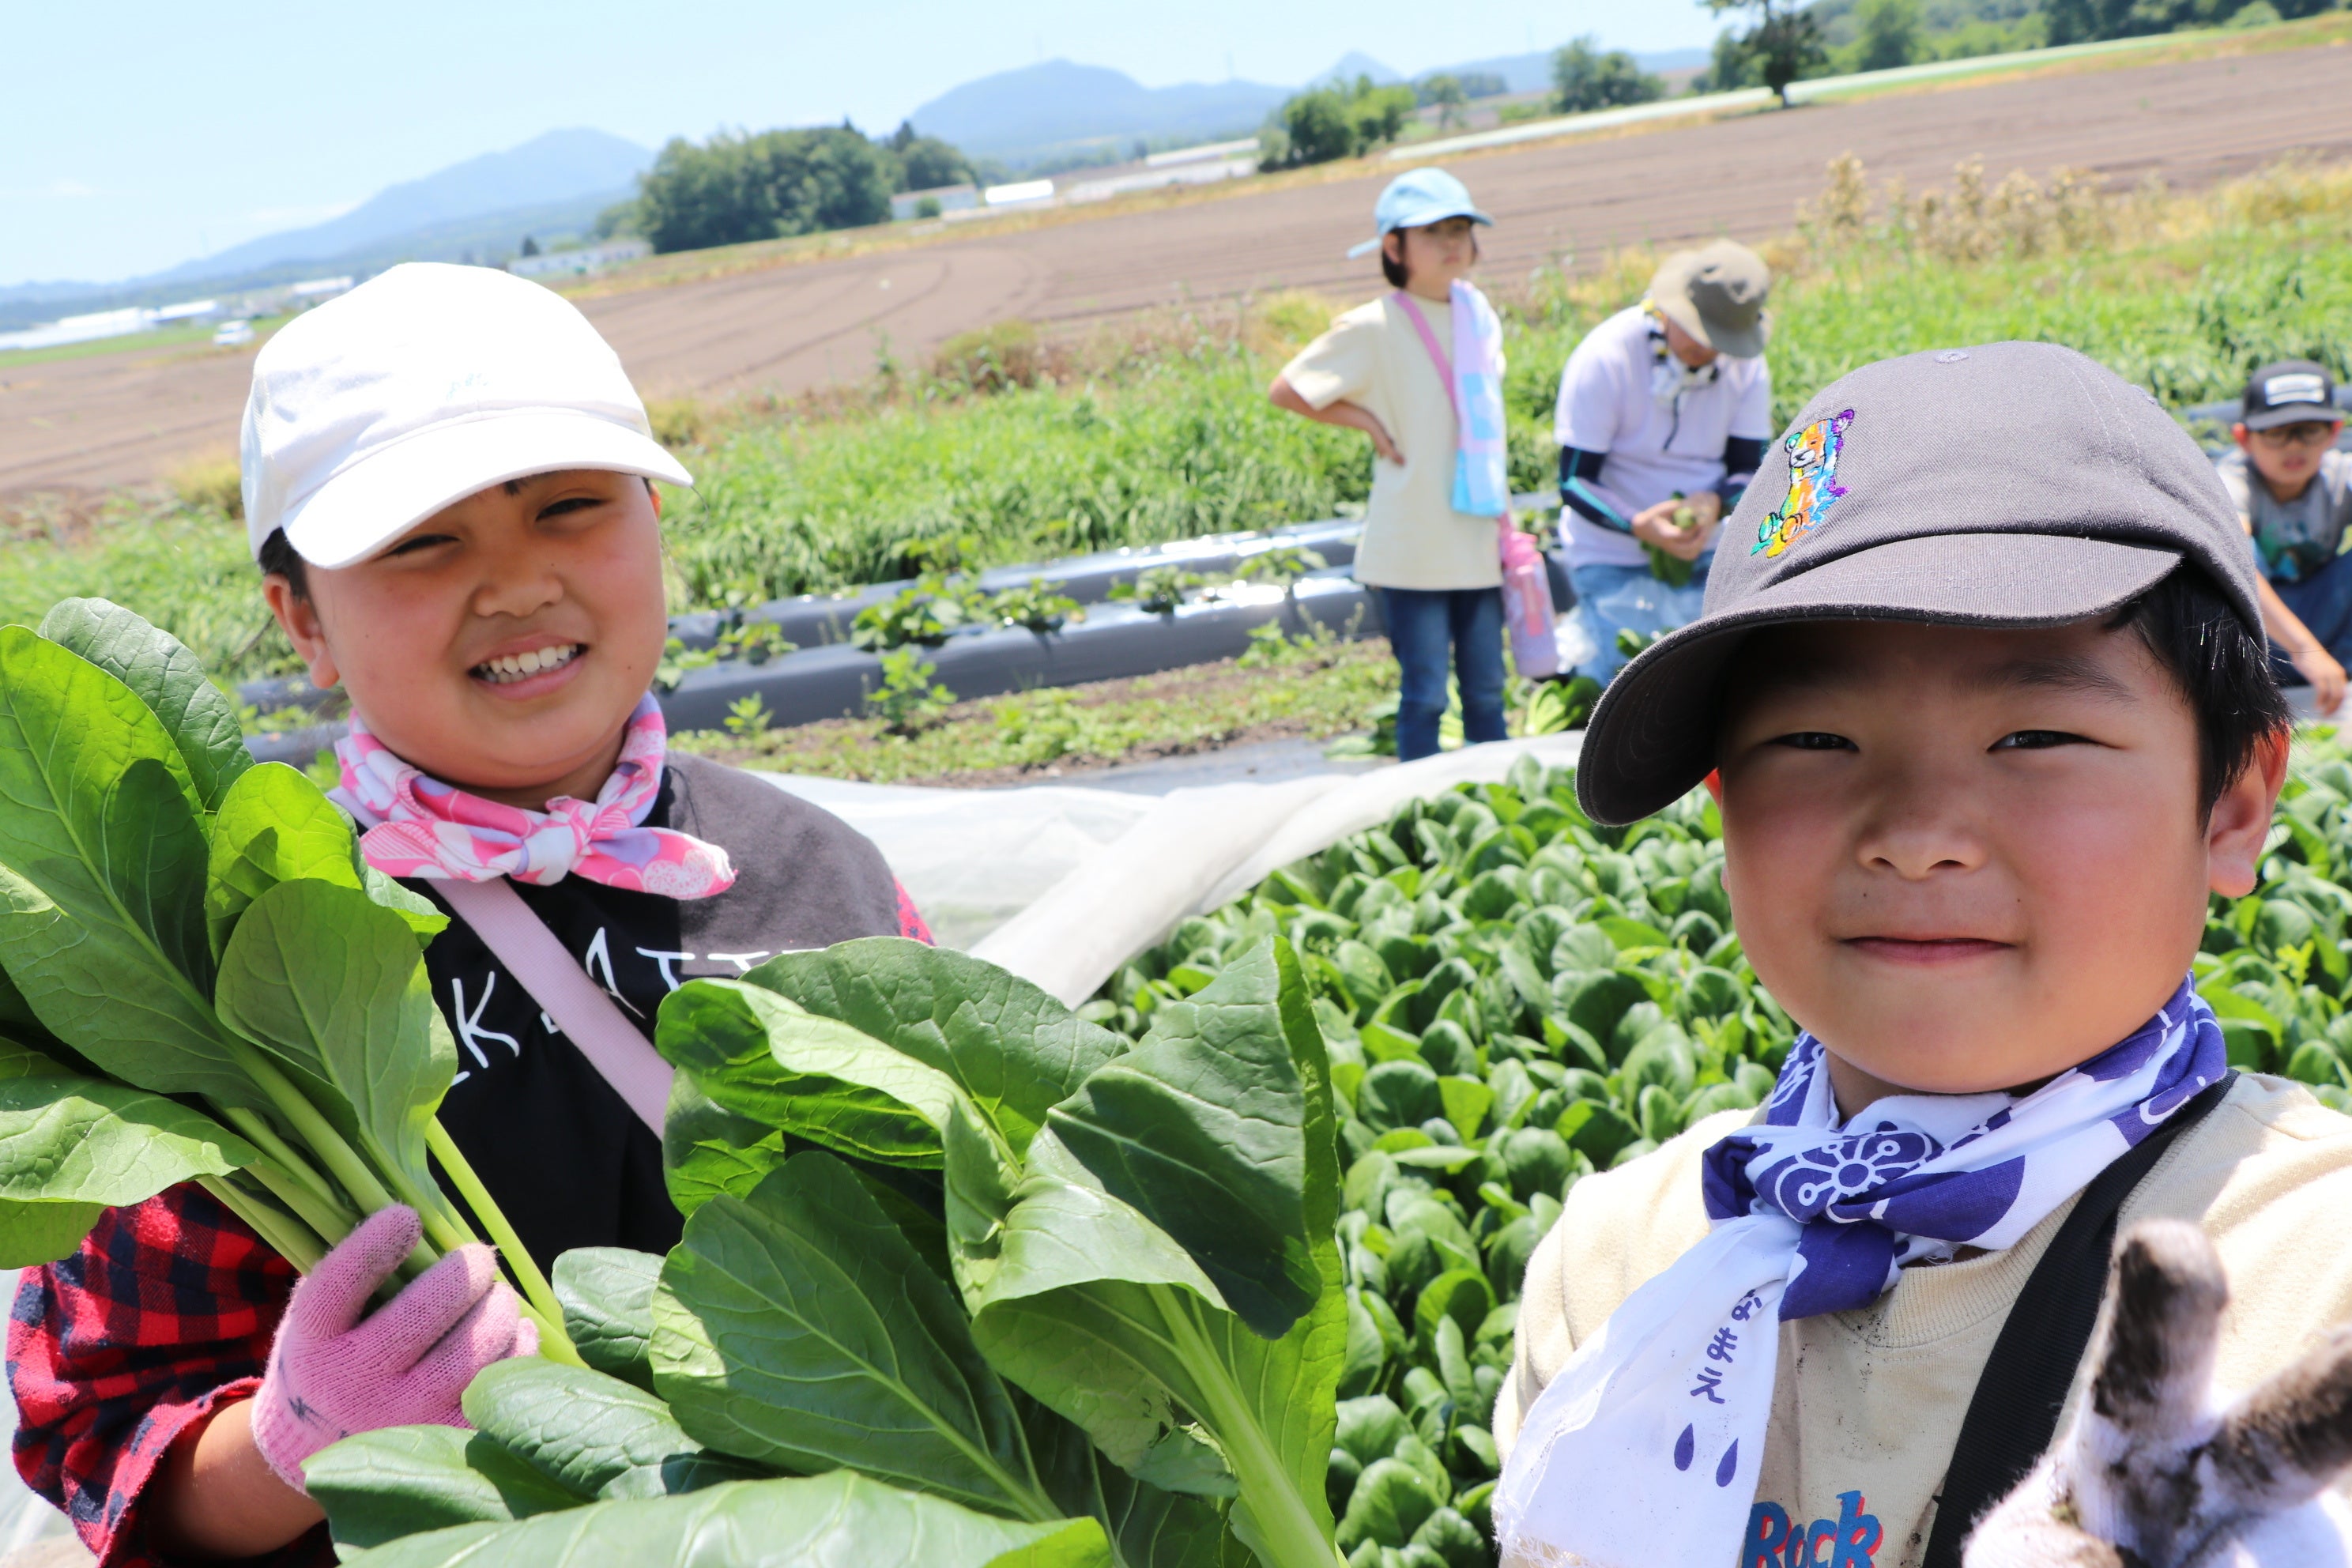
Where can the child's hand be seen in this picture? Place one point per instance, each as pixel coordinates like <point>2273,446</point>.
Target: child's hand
<point>1383,443</point>
<point>332,1375</point>
<point>2152,1471</point>
<point>2317,666</point>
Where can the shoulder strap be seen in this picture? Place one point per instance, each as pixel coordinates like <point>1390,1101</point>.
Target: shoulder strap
<point>579,1005</point>
<point>2014,1415</point>
<point>1429,341</point>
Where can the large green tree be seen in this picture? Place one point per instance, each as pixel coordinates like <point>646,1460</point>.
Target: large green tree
<point>1888,34</point>
<point>736,188</point>
<point>926,163</point>
<point>1339,119</point>
<point>1585,78</point>
<point>1783,41</point>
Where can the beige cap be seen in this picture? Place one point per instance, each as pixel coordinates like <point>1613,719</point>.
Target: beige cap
<point>1717,295</point>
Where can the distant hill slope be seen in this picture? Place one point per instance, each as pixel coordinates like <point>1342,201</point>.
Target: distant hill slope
<point>560,166</point>
<point>1018,115</point>
<point>484,236</point>
<point>1046,110</point>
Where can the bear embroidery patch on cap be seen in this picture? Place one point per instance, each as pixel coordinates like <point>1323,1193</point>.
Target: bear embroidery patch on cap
<point>1813,484</point>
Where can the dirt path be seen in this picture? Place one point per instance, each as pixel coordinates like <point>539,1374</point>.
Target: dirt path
<point>126,418</point>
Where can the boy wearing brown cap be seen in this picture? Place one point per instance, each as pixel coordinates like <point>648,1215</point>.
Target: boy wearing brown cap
<point>1664,409</point>
<point>1982,695</point>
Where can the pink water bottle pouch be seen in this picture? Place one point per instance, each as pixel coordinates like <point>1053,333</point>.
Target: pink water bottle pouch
<point>1526,604</point>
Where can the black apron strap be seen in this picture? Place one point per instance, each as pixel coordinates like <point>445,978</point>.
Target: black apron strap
<point>2013,1415</point>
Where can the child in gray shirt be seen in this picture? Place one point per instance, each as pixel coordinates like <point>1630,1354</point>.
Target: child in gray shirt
<point>2293,492</point>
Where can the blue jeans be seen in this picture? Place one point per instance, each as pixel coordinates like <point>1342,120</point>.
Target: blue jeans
<point>2322,602</point>
<point>1600,590</point>
<point>1422,622</point>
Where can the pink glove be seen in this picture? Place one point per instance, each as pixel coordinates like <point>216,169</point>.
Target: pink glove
<point>332,1375</point>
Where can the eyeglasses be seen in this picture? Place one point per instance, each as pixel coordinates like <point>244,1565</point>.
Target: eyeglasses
<point>2307,433</point>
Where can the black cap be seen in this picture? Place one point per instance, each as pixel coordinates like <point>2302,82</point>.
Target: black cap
<point>2004,485</point>
<point>2289,392</point>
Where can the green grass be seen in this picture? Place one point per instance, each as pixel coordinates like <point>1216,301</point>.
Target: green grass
<point>1160,429</point>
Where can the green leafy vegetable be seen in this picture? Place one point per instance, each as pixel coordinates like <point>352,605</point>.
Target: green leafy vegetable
<point>842,1518</point>
<point>798,1327</point>
<point>207,983</point>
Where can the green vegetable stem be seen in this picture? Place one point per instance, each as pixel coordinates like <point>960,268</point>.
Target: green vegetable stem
<point>203,980</point>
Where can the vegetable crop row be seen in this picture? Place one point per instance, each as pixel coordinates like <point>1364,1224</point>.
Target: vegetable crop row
<point>1514,998</point>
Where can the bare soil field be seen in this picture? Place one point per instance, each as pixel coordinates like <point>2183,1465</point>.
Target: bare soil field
<point>128,418</point>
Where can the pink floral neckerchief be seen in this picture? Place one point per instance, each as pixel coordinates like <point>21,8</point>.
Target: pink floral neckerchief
<point>415,825</point>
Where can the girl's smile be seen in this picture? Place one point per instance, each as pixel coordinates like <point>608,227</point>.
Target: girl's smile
<point>501,644</point>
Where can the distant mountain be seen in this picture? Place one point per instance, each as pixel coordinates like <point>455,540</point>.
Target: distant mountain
<point>1038,111</point>
<point>1356,63</point>
<point>561,165</point>
<point>477,210</point>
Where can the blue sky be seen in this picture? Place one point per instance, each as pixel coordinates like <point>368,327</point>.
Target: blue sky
<point>134,136</point>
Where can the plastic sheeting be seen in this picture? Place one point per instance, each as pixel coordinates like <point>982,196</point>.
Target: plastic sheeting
<point>1063,884</point>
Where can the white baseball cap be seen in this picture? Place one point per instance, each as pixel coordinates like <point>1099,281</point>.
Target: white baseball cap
<point>419,387</point>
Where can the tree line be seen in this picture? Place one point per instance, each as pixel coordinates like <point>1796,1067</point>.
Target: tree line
<point>1773,44</point>
<point>740,187</point>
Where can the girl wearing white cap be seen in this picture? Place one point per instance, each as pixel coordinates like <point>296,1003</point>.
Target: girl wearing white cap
<point>449,485</point>
<point>1399,372</point>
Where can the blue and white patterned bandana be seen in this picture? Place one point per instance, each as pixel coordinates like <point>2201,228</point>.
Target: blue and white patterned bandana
<point>1663,1411</point>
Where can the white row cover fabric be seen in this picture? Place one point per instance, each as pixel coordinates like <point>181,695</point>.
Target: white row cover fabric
<point>1062,884</point>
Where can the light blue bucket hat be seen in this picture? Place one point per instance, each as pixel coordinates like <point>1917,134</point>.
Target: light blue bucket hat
<point>1416,198</point>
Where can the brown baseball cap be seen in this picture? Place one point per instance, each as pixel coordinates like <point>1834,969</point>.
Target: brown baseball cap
<point>2001,485</point>
<point>1716,294</point>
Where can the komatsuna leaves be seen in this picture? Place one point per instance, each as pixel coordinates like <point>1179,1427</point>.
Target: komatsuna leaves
<point>402,1481</point>
<point>800,1329</point>
<point>759,1054</point>
<point>169,679</point>
<point>1015,1050</point>
<point>274,826</point>
<point>1058,1275</point>
<point>333,984</point>
<point>101,876</point>
<point>607,1296</point>
<point>38,1233</point>
<point>708,1150</point>
<point>1071,1300</point>
<point>590,1434</point>
<point>1151,1527</point>
<point>821,1522</point>
<point>67,1140</point>
<point>1201,1129</point>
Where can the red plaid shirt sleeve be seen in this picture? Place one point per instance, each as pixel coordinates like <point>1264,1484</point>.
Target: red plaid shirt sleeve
<point>910,919</point>
<point>165,1315</point>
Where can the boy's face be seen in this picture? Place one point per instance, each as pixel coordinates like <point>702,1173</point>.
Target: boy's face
<point>2286,456</point>
<point>430,633</point>
<point>1968,859</point>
